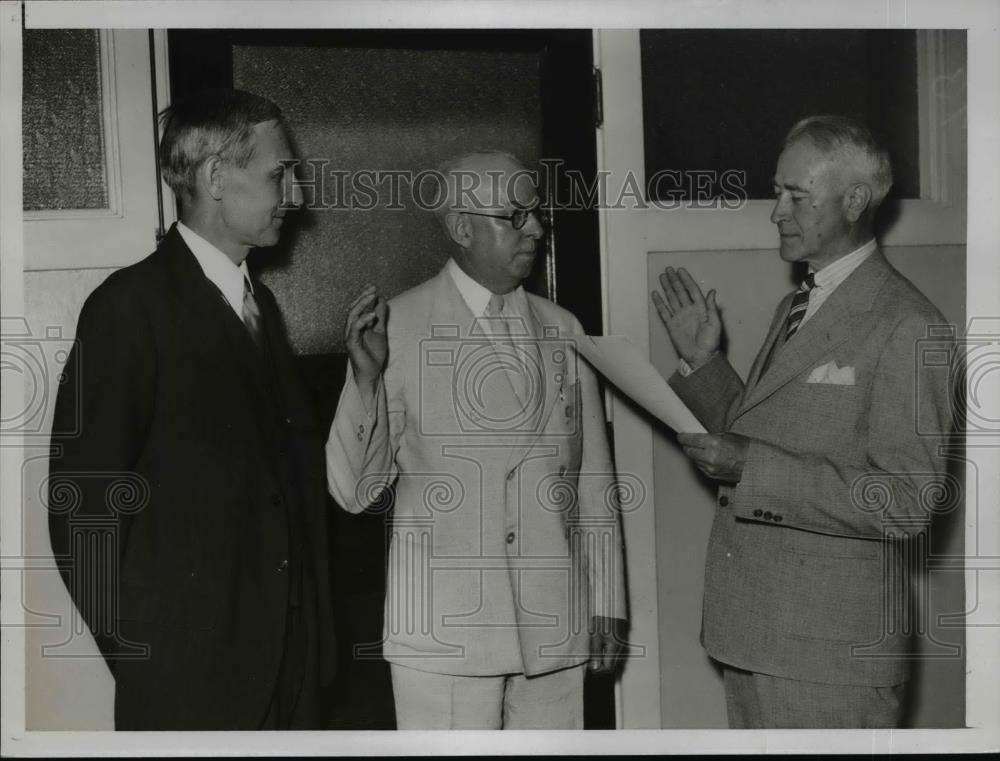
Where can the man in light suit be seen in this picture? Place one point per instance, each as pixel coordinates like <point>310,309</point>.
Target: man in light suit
<point>803,594</point>
<point>465,395</point>
<point>207,592</point>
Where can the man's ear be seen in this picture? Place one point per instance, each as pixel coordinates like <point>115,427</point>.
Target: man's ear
<point>210,177</point>
<point>458,228</point>
<point>857,199</point>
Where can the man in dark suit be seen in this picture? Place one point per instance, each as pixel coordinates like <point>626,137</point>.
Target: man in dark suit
<point>804,594</point>
<point>207,591</point>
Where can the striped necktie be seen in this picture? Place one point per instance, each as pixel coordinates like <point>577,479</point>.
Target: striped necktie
<point>800,303</point>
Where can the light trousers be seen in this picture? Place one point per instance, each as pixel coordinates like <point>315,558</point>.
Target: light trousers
<point>425,700</point>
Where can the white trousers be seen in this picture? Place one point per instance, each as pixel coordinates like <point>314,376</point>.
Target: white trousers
<point>425,700</point>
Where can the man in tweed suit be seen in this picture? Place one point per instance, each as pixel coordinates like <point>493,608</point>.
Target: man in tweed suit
<point>802,599</point>
<point>464,396</point>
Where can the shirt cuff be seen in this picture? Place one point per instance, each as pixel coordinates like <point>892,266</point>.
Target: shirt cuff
<point>685,369</point>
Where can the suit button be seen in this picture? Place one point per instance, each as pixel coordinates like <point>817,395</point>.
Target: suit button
<point>724,501</point>
<point>757,513</point>
<point>777,519</point>
<point>767,515</point>
<point>510,538</point>
<point>283,565</point>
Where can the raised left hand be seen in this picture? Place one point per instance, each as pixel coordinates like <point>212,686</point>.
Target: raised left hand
<point>607,642</point>
<point>718,455</point>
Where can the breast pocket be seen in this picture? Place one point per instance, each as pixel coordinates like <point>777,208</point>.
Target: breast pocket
<point>830,411</point>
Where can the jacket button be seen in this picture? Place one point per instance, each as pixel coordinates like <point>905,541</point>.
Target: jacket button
<point>767,515</point>
<point>757,513</point>
<point>510,538</point>
<point>777,519</point>
<point>724,501</point>
<point>283,564</point>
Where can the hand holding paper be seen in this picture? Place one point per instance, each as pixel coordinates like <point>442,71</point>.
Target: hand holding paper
<point>618,360</point>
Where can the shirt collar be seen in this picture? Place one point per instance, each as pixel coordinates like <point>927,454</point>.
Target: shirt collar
<point>836,272</point>
<point>218,267</point>
<point>475,294</point>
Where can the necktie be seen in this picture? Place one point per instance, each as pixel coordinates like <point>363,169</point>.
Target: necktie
<point>509,357</point>
<point>800,303</point>
<point>251,314</point>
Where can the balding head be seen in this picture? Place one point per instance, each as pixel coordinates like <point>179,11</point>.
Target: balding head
<point>483,191</point>
<point>484,181</point>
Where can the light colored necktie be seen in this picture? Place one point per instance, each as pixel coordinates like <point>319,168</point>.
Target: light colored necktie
<point>251,314</point>
<point>512,360</point>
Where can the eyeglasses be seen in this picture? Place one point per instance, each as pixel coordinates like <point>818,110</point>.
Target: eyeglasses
<point>517,220</point>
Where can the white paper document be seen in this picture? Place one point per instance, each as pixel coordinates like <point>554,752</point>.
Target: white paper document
<point>621,362</point>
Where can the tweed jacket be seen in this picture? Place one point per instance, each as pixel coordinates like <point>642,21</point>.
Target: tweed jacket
<point>804,575</point>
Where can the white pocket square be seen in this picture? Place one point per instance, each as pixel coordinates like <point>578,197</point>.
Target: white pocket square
<point>831,374</point>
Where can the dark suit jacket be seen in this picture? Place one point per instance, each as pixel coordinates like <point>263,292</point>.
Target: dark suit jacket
<point>799,581</point>
<point>170,512</point>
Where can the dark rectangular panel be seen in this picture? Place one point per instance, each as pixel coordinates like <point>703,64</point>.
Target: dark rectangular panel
<point>723,99</point>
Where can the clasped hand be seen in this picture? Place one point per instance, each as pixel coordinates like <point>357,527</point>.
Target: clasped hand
<point>718,455</point>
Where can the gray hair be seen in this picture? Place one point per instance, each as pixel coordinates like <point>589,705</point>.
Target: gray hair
<point>452,175</point>
<point>851,141</point>
<point>210,123</point>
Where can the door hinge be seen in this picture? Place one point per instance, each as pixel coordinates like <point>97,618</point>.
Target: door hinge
<point>598,99</point>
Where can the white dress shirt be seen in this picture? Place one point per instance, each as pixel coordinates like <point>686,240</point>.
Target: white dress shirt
<point>477,296</point>
<point>832,275</point>
<point>218,268</point>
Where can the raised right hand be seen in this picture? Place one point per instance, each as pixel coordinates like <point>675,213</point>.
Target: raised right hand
<point>692,321</point>
<point>365,336</point>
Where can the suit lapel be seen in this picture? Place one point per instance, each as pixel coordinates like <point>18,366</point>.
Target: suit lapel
<point>542,355</point>
<point>770,342</point>
<point>214,330</point>
<point>832,324</point>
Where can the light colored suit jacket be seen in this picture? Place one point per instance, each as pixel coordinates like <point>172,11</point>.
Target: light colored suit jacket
<point>505,536</point>
<point>799,582</point>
